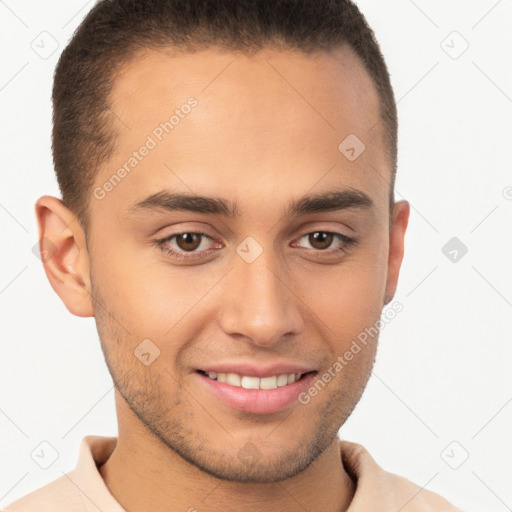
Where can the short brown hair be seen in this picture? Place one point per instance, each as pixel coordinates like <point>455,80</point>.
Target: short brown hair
<point>113,31</point>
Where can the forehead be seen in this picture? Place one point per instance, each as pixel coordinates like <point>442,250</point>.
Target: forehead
<point>272,118</point>
<point>309,85</point>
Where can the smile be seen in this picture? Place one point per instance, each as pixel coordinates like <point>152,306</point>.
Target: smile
<point>251,382</point>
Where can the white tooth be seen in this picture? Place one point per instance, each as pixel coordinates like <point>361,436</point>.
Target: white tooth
<point>221,377</point>
<point>268,382</point>
<point>291,378</point>
<point>282,380</point>
<point>297,376</point>
<point>250,382</point>
<point>233,379</point>
<point>212,375</point>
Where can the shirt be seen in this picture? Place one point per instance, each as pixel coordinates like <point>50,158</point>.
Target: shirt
<point>83,489</point>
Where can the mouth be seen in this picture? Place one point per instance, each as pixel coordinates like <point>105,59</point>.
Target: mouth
<point>263,395</point>
<point>253,382</point>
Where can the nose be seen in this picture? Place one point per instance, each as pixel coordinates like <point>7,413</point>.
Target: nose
<point>259,303</point>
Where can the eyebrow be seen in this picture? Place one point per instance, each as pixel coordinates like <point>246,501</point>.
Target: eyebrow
<point>333,200</point>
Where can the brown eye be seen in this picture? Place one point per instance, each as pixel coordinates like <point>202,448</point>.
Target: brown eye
<point>188,241</point>
<point>320,239</point>
<point>187,245</point>
<point>324,242</point>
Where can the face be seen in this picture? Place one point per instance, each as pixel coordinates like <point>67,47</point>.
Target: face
<point>249,277</point>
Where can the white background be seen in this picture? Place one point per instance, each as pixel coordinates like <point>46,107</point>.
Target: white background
<point>443,366</point>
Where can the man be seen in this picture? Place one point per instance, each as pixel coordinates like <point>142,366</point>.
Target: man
<point>263,135</point>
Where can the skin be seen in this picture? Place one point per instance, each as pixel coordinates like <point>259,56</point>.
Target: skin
<point>254,140</point>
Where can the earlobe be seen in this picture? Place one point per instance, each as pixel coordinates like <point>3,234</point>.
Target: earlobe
<point>399,224</point>
<point>64,254</point>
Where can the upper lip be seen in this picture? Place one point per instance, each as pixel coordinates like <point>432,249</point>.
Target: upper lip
<point>250,369</point>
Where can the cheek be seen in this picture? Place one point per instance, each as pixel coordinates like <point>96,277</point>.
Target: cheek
<point>350,298</point>
<point>148,297</point>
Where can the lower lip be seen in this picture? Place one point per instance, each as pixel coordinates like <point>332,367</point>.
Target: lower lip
<point>258,401</point>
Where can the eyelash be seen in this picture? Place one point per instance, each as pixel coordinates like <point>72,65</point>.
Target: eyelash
<point>349,242</point>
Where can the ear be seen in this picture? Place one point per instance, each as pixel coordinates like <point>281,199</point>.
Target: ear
<point>399,221</point>
<point>64,254</point>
